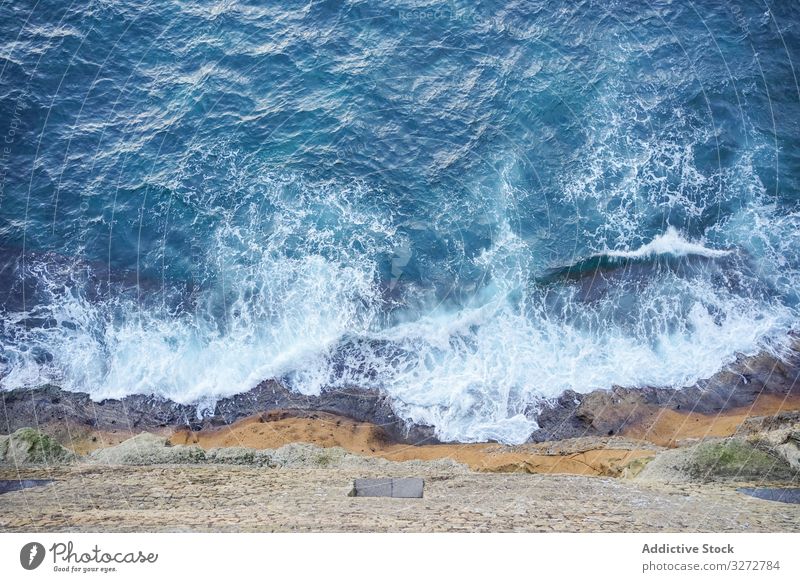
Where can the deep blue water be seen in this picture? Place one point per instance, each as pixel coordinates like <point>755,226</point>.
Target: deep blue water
<point>470,206</point>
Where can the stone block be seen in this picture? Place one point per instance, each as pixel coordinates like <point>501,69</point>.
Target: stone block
<point>410,487</point>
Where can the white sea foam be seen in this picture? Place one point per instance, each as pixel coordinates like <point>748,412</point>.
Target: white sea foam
<point>292,278</point>
<point>475,372</point>
<point>669,243</point>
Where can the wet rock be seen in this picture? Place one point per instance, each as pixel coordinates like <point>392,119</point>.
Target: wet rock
<point>610,412</point>
<point>557,419</point>
<point>49,406</point>
<point>599,413</point>
<point>358,404</point>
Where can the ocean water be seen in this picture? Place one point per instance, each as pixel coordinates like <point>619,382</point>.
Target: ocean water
<point>472,207</point>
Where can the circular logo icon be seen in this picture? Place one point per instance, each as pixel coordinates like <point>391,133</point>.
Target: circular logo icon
<point>31,555</point>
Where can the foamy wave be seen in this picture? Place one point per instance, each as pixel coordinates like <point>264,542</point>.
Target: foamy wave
<point>479,374</point>
<point>316,319</point>
<point>669,243</point>
<point>263,312</point>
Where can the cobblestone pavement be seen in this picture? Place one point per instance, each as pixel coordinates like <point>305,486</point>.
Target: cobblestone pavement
<point>242,498</point>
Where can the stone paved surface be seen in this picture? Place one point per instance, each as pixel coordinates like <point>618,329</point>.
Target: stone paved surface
<point>241,498</point>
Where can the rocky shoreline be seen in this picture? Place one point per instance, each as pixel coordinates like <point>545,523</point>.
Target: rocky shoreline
<point>618,411</point>
<point>646,460</point>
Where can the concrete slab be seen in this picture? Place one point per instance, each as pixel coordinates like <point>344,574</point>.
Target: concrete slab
<point>408,488</point>
<point>372,488</point>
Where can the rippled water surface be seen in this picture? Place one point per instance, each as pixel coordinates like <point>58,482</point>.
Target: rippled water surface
<point>470,206</point>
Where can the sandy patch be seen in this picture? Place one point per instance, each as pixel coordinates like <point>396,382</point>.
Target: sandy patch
<point>594,457</point>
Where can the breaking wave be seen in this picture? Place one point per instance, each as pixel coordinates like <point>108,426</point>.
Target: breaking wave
<point>471,215</point>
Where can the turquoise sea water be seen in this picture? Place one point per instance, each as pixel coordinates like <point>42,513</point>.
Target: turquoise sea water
<point>470,206</point>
